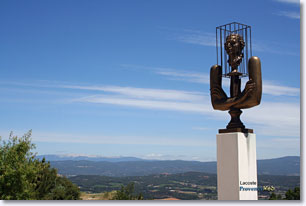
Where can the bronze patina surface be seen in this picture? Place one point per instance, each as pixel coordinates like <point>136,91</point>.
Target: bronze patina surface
<point>249,97</point>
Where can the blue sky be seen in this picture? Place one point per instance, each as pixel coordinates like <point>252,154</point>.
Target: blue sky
<point>131,78</point>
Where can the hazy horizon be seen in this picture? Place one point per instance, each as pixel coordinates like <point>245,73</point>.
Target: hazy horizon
<point>118,157</point>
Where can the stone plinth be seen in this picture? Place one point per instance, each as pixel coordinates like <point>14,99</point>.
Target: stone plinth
<point>236,166</point>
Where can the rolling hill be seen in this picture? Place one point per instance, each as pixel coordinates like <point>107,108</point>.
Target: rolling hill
<point>122,167</point>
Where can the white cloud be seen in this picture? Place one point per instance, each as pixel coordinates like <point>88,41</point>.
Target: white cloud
<point>185,76</point>
<point>195,106</point>
<point>289,14</point>
<point>274,48</point>
<point>143,93</point>
<point>174,74</point>
<point>203,78</point>
<point>269,118</point>
<point>209,39</point>
<point>39,136</point>
<point>275,119</point>
<point>158,156</point>
<point>278,90</point>
<point>78,155</point>
<point>269,87</point>
<point>197,37</point>
<point>297,2</point>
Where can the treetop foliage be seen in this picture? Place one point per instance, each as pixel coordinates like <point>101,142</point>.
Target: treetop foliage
<point>24,177</point>
<point>289,195</point>
<point>127,193</point>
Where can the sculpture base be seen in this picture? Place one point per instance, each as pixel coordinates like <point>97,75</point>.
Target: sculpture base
<point>236,166</point>
<point>231,130</point>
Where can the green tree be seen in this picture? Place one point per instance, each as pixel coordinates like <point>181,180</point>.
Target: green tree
<point>293,195</point>
<point>273,196</point>
<point>23,177</point>
<point>64,189</point>
<point>127,193</point>
<point>289,195</point>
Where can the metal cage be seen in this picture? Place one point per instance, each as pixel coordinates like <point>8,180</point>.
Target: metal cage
<point>222,57</point>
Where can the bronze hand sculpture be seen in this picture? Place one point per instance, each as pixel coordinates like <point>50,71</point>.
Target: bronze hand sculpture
<point>238,100</point>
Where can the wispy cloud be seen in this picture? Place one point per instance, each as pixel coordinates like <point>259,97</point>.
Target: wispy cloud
<point>173,74</point>
<point>296,2</point>
<point>159,156</point>
<point>192,106</point>
<point>203,78</point>
<point>273,118</point>
<point>197,37</point>
<point>279,90</point>
<point>143,93</point>
<point>269,87</point>
<point>209,39</point>
<point>41,136</point>
<point>194,77</point>
<point>280,119</point>
<point>289,14</point>
<point>267,116</point>
<point>274,48</point>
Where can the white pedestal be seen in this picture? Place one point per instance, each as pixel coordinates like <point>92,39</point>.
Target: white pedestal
<point>236,166</point>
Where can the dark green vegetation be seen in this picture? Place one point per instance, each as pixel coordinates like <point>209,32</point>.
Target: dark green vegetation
<point>279,166</point>
<point>186,186</point>
<point>23,177</point>
<point>289,195</point>
<point>282,184</point>
<point>191,185</point>
<point>273,196</point>
<point>127,193</point>
<point>293,195</point>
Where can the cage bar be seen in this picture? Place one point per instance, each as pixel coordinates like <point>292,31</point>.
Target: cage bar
<point>222,57</point>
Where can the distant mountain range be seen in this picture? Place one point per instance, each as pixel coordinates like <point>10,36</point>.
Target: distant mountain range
<point>131,166</point>
<point>88,158</point>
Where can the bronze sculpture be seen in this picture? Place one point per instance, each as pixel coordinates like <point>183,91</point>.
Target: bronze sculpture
<point>249,97</point>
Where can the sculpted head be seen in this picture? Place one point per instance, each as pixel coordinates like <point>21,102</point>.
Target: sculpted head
<point>234,46</point>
